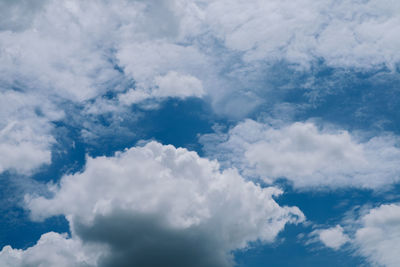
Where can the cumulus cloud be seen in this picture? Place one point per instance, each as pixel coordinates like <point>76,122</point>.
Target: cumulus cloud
<point>52,249</point>
<point>332,237</point>
<point>378,238</point>
<point>158,205</point>
<point>307,156</point>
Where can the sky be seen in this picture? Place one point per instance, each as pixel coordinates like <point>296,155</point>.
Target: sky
<point>199,133</point>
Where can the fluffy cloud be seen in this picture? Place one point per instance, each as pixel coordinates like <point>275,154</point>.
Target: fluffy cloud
<point>378,239</point>
<point>159,205</point>
<point>25,127</point>
<point>332,237</point>
<point>306,155</point>
<point>52,249</point>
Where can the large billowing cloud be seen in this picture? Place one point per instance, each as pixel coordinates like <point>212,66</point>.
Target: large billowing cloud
<point>308,156</point>
<point>156,206</point>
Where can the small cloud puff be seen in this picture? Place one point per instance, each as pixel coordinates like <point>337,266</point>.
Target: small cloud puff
<point>332,237</point>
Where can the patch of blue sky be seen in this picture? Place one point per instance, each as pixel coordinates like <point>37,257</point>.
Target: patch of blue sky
<point>290,250</point>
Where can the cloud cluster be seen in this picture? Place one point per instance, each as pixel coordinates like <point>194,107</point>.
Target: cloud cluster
<point>306,155</point>
<point>79,50</point>
<point>158,205</point>
<point>74,51</point>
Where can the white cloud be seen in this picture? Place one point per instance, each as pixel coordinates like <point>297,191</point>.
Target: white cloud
<point>173,84</point>
<point>378,239</point>
<point>25,127</point>
<point>64,50</point>
<point>308,156</point>
<point>343,33</point>
<point>52,249</point>
<point>162,69</point>
<point>178,85</point>
<point>168,194</point>
<point>57,55</point>
<point>332,237</point>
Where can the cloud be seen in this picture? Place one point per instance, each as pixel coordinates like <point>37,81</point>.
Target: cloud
<point>16,15</point>
<point>343,33</point>
<point>63,49</point>
<point>378,238</point>
<point>52,249</point>
<point>56,55</point>
<point>160,204</point>
<point>25,131</point>
<point>144,51</point>
<point>307,156</point>
<point>172,84</point>
<point>175,84</point>
<point>332,237</point>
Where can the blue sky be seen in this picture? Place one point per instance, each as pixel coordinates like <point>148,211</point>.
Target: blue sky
<point>199,133</point>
